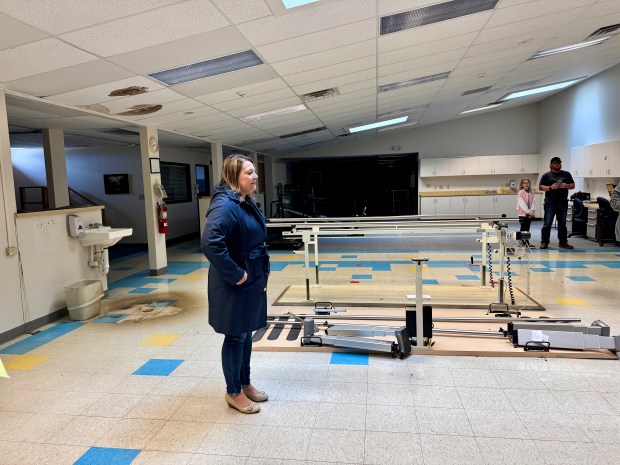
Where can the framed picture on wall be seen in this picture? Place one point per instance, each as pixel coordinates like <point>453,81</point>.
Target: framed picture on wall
<point>116,183</point>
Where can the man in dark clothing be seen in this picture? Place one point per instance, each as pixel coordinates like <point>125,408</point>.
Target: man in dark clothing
<point>555,184</point>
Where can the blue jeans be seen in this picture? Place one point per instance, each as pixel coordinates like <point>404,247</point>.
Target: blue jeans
<point>557,210</point>
<point>236,353</point>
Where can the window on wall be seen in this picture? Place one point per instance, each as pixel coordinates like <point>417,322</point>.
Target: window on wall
<point>177,181</point>
<point>203,184</point>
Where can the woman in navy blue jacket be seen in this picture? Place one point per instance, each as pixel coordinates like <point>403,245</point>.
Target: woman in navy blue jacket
<point>234,243</point>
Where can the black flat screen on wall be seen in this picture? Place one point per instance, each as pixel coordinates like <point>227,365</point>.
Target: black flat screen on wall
<point>381,185</point>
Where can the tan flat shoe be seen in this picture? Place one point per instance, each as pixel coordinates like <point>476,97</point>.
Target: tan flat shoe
<point>260,396</point>
<point>251,408</point>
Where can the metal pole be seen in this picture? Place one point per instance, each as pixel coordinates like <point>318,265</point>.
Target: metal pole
<point>316,252</point>
<point>306,238</point>
<point>434,319</point>
<point>419,302</point>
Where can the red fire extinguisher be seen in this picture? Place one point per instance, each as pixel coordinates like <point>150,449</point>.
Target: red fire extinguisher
<point>162,217</point>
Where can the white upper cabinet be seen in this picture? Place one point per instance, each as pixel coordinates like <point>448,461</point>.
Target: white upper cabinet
<point>596,160</point>
<point>468,166</point>
<point>577,162</point>
<point>433,167</point>
<point>494,164</point>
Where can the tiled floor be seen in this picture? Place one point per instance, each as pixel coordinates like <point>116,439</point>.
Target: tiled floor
<point>143,385</point>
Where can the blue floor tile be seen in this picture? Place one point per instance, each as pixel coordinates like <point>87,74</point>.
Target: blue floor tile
<point>349,359</point>
<point>580,278</point>
<point>142,290</point>
<point>467,277</point>
<point>348,256</point>
<point>541,270</point>
<point>110,318</point>
<point>37,340</point>
<point>158,367</point>
<point>107,456</point>
<point>361,276</point>
<point>430,281</point>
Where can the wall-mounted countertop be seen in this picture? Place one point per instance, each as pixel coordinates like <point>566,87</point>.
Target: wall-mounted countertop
<point>462,193</point>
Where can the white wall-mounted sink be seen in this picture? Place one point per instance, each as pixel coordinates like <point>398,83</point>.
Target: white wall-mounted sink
<point>104,236</point>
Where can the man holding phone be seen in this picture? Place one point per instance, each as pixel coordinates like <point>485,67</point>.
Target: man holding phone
<point>555,184</point>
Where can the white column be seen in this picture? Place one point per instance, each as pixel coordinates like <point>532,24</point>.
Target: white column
<point>56,167</point>
<point>217,160</point>
<point>149,148</point>
<point>11,315</point>
<point>269,183</point>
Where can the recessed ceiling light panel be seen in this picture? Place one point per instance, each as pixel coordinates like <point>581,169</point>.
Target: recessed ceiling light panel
<point>288,4</point>
<point>379,124</point>
<point>274,113</point>
<point>203,69</point>
<point>539,90</point>
<point>568,48</point>
<point>488,107</point>
<point>413,82</point>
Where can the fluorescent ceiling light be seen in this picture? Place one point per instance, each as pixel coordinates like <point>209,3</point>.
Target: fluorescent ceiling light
<point>539,90</point>
<point>414,82</point>
<point>274,113</point>
<point>288,4</point>
<point>380,124</point>
<point>568,48</point>
<point>203,69</point>
<point>491,105</point>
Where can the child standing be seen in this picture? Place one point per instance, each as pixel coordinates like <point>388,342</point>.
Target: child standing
<point>525,206</point>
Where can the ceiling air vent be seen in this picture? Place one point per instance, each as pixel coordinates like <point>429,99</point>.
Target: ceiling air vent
<point>127,91</point>
<point>413,82</point>
<point>320,94</point>
<point>433,14</point>
<point>604,31</point>
<point>475,91</point>
<point>302,133</point>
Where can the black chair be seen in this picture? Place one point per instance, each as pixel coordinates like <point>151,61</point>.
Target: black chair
<point>579,223</point>
<point>605,222</point>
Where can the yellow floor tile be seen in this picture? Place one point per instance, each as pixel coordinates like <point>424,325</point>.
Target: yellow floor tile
<point>570,301</point>
<point>160,340</point>
<point>25,362</point>
<point>191,276</point>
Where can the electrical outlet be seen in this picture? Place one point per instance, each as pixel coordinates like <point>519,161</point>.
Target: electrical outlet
<point>11,251</point>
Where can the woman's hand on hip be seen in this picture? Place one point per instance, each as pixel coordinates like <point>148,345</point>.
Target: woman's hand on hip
<point>244,279</point>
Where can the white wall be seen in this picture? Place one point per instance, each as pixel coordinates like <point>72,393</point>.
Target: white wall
<point>587,113</point>
<point>85,169</point>
<point>513,131</point>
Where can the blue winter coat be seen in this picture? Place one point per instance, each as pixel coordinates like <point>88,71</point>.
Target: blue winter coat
<point>234,241</point>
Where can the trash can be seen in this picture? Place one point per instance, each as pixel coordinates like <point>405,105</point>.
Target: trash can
<point>84,299</point>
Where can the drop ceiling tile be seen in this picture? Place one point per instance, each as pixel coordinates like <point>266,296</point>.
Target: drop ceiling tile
<point>333,71</point>
<point>267,106</point>
<point>68,79</point>
<point>151,28</point>
<point>449,58</point>
<point>319,41</point>
<point>39,57</point>
<point>249,90</point>
<point>277,28</point>
<point>100,93</point>
<point>364,104</point>
<point>14,33</point>
<point>241,11</point>
<point>243,77</point>
<point>326,58</point>
<point>433,32</point>
<point>343,99</point>
<point>247,102</point>
<point>513,55</point>
<point>354,87</point>
<point>536,9</point>
<point>335,81</point>
<point>554,22</point>
<point>192,49</point>
<point>432,48</point>
<point>218,120</point>
<point>174,109</point>
<point>389,7</point>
